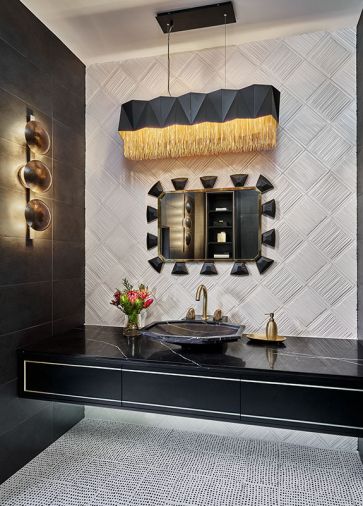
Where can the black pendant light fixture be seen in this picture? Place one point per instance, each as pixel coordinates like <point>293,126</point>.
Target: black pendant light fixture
<point>194,124</point>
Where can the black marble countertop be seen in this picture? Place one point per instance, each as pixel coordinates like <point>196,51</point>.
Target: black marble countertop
<point>323,356</point>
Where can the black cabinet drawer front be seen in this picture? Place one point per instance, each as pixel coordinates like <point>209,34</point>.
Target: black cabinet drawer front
<point>94,383</point>
<point>312,404</point>
<point>172,392</point>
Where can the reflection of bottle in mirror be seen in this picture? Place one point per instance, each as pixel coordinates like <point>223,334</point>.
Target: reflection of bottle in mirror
<point>271,328</point>
<point>221,237</point>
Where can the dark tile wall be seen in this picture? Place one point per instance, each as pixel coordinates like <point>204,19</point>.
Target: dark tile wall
<point>41,281</point>
<point>360,185</point>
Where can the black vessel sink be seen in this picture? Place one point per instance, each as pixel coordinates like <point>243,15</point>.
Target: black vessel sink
<point>189,332</point>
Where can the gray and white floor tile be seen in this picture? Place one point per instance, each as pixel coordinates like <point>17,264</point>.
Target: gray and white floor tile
<point>102,463</point>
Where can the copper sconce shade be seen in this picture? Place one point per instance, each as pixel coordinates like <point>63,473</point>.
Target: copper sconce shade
<point>37,215</point>
<point>37,137</point>
<point>36,176</point>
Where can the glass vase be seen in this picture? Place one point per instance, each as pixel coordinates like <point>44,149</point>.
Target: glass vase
<point>132,328</point>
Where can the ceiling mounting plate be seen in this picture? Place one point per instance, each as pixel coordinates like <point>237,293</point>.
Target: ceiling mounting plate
<point>196,17</point>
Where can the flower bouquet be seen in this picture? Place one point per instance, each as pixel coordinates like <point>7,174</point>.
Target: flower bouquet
<point>131,302</point>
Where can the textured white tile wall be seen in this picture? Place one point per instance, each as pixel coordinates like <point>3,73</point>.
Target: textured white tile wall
<point>312,285</point>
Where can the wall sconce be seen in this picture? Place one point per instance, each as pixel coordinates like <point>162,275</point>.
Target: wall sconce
<point>35,176</point>
<point>38,215</point>
<point>37,138</point>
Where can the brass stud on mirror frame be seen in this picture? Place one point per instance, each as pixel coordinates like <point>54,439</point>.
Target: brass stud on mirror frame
<point>180,269</point>
<point>263,263</point>
<point>179,182</point>
<point>263,184</point>
<point>208,181</point>
<point>151,214</point>
<point>239,179</point>
<point>269,238</point>
<point>156,263</point>
<point>156,190</point>
<point>151,241</point>
<point>208,269</point>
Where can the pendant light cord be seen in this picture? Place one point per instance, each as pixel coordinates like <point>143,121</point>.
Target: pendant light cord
<point>225,50</point>
<point>170,27</point>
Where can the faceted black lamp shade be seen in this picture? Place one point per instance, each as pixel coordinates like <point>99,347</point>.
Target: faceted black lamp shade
<point>223,121</point>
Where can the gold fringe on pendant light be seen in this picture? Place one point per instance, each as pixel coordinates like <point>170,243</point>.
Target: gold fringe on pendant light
<point>222,121</point>
<point>238,135</point>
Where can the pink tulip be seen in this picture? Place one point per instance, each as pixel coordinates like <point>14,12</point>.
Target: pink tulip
<point>148,303</point>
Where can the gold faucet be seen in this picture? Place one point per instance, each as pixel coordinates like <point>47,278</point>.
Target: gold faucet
<point>200,289</point>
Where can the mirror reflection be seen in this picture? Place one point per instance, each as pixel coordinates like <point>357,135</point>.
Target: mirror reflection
<point>210,224</point>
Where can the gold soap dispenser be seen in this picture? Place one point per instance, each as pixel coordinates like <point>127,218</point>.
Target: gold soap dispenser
<point>271,328</point>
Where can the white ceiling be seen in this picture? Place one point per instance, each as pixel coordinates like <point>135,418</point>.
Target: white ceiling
<point>105,30</point>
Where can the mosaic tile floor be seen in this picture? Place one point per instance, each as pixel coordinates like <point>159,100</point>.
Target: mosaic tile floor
<point>101,463</point>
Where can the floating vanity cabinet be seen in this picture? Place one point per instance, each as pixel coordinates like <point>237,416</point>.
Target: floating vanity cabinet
<point>180,392</point>
<point>314,405</point>
<point>321,391</point>
<point>72,382</point>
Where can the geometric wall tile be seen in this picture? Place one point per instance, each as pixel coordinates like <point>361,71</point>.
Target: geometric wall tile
<point>282,62</point>
<point>329,100</point>
<point>305,171</point>
<point>306,215</point>
<point>311,152</point>
<point>328,55</point>
<point>328,146</point>
<point>313,169</point>
<point>305,125</point>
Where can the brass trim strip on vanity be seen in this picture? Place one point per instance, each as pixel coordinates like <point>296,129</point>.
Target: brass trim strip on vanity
<point>67,395</point>
<point>71,396</point>
<point>182,375</point>
<point>301,421</point>
<point>303,385</point>
<point>181,408</point>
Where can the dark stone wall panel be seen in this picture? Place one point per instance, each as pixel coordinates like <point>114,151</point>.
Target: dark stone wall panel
<point>41,276</point>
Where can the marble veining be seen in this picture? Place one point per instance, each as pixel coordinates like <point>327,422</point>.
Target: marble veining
<point>102,463</point>
<point>325,356</point>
